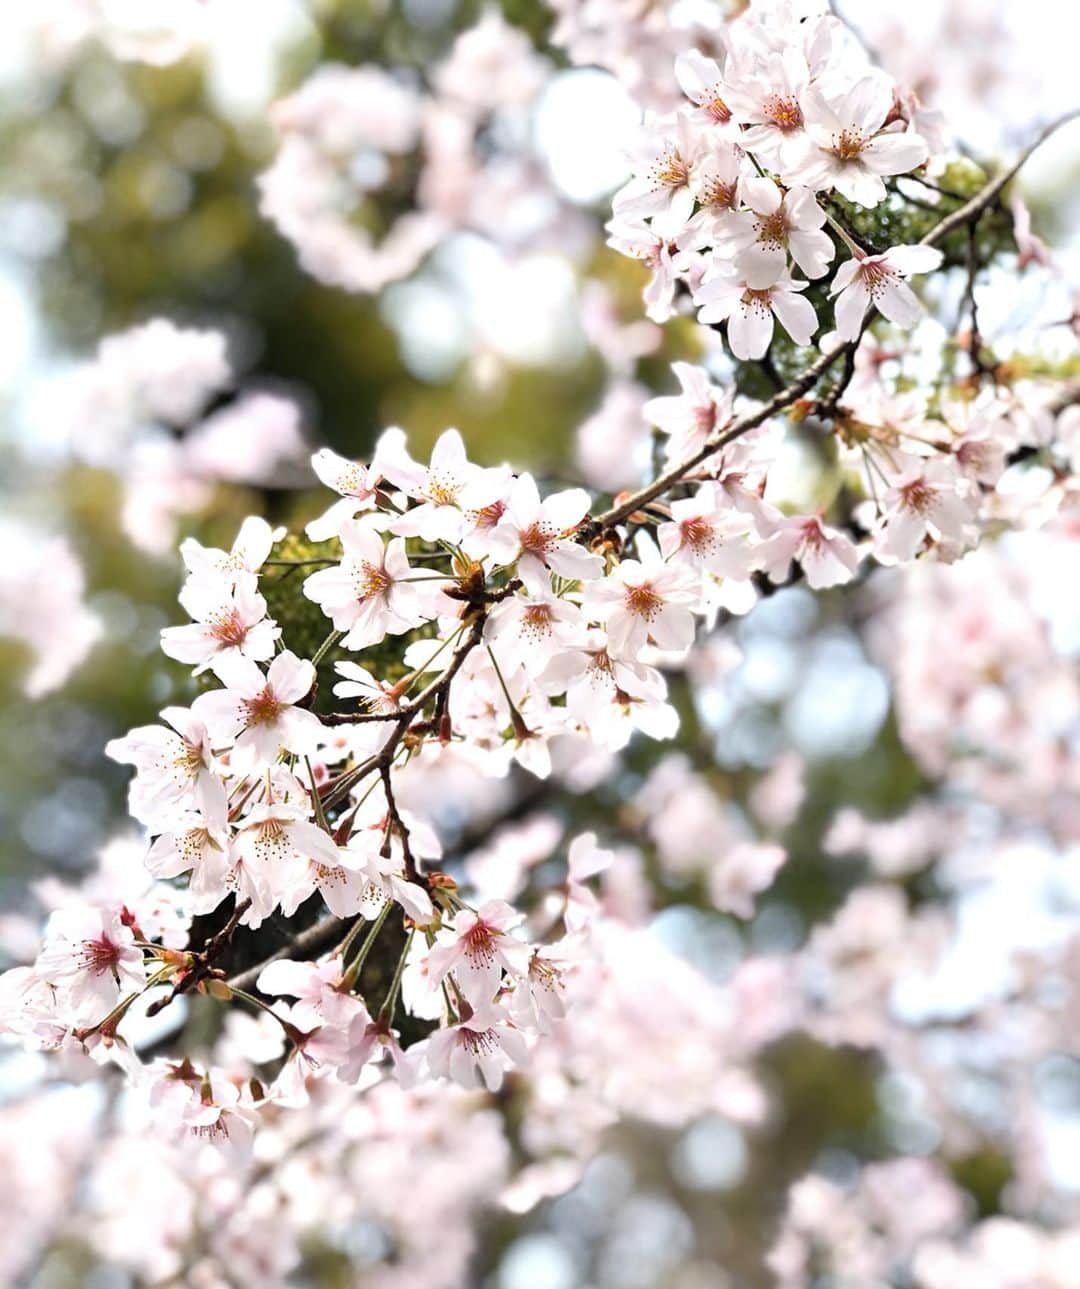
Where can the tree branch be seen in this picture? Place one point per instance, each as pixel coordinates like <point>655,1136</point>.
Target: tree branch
<point>305,943</point>
<point>974,208</point>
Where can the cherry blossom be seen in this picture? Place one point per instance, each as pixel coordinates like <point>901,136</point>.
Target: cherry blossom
<point>256,714</point>
<point>748,298</point>
<point>536,535</point>
<point>768,99</point>
<point>717,182</point>
<point>644,600</point>
<point>193,845</point>
<point>849,149</point>
<point>372,592</point>
<point>661,256</point>
<point>610,696</point>
<point>317,987</point>
<point>776,223</point>
<point>827,556</point>
<point>702,81</point>
<point>704,533</point>
<point>226,624</point>
<point>877,280</point>
<point>174,769</point>
<point>343,859</point>
<point>691,418</point>
<point>357,485</point>
<point>476,1051</point>
<point>525,629</point>
<point>447,489</point>
<point>663,162</point>
<point>584,859</point>
<point>248,554</point>
<point>477,949</point>
<point>277,857</point>
<point>208,1107</point>
<point>90,955</point>
<point>926,499</point>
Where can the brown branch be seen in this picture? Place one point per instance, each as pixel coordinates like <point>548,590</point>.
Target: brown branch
<point>397,825</point>
<point>972,209</point>
<point>802,384</point>
<point>300,946</point>
<point>202,963</point>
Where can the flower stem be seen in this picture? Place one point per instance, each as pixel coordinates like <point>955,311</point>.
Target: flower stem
<point>352,973</point>
<point>386,1011</point>
<point>326,646</point>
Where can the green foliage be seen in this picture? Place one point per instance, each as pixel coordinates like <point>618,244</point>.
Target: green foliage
<point>303,624</point>
<point>984,1175</point>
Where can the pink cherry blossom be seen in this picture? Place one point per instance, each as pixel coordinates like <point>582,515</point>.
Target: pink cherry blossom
<point>643,600</point>
<point>477,948</point>
<point>827,556</point>
<point>706,533</point>
<point>174,769</point>
<point>476,1051</point>
<point>926,499</point>
<point>847,147</point>
<point>691,418</point>
<point>248,554</point>
<point>89,954</point>
<point>778,223</point>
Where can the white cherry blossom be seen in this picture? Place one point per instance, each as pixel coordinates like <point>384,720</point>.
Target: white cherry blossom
<point>748,297</point>
<point>660,254</point>
<point>355,482</point>
<point>526,629</point>
<point>702,81</point>
<point>227,623</point>
<point>778,223</point>
<point>878,281</point>
<point>249,552</point>
<point>476,1051</point>
<point>705,532</point>
<point>826,555</point>
<point>90,954</point>
<point>477,948</point>
<point>447,489</point>
<point>174,769</point>
<point>848,149</point>
<point>193,845</point>
<point>927,498</point>
<point>691,418</point>
<point>256,714</point>
<point>642,600</point>
<point>663,161</point>
<point>370,594</point>
<point>536,535</point>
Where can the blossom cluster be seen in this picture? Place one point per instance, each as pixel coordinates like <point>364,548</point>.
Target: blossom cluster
<point>725,200</point>
<point>489,634</point>
<point>372,172</point>
<point>151,405</point>
<point>510,629</point>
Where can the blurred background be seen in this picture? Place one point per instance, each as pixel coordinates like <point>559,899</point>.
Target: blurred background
<point>129,191</point>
